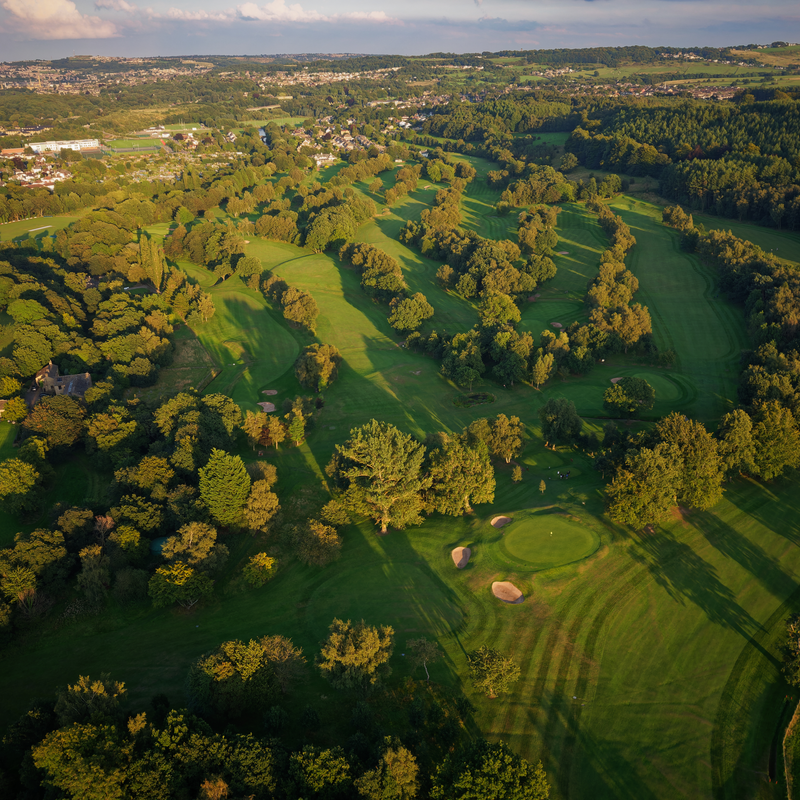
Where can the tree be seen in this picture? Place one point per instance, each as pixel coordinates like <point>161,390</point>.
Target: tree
<point>505,438</point>
<point>409,313</point>
<point>777,440</point>
<point>791,650</point>
<point>195,544</point>
<point>236,679</point>
<point>737,449</point>
<point>253,425</point>
<point>59,418</point>
<point>460,475</point>
<point>19,585</point>
<point>568,162</point>
<point>297,428</point>
<point>19,485</point>
<point>95,701</point>
<point>259,569</point>
<point>95,576</point>
<point>323,774</point>
<point>276,431</point>
<point>481,770</point>
<point>224,487</point>
<point>178,583</point>
<point>542,369</point>
<point>16,410</point>
<point>356,656</point>
<point>542,486</point>
<point>490,672</point>
<point>380,470</point>
<point>560,420</point>
<point>317,366</point>
<point>516,474</point>
<point>262,506</point>
<point>395,777</point>
<point>700,478</point>
<point>424,652</point>
<point>316,543</point>
<point>85,762</point>
<point>628,396</point>
<point>643,490</point>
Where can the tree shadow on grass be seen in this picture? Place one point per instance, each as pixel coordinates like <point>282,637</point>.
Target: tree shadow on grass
<point>730,542</point>
<point>688,578</point>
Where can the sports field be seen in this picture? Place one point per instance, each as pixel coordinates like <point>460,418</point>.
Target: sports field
<point>649,662</point>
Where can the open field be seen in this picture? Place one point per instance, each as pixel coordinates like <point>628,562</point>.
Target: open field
<point>649,662</point>
<point>775,56</point>
<point>38,226</point>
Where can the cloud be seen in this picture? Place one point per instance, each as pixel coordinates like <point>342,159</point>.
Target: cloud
<point>116,5</point>
<point>55,19</point>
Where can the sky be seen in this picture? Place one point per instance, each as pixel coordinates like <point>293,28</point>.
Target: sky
<point>49,29</point>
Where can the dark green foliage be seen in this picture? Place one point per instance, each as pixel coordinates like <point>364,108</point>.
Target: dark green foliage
<point>317,366</point>
<point>355,656</point>
<point>628,397</point>
<point>482,770</point>
<point>560,420</point>
<point>224,487</point>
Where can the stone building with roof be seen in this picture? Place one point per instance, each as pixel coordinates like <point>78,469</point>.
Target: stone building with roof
<point>48,381</point>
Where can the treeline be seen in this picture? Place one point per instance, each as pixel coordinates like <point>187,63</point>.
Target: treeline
<point>611,292</point>
<point>736,160</point>
<point>679,462</point>
<point>86,325</point>
<point>244,734</point>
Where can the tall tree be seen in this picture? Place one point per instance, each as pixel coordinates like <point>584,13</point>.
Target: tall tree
<point>560,420</point>
<point>628,397</point>
<point>777,440</point>
<point>317,366</point>
<point>737,449</point>
<point>195,544</point>
<point>379,469</point>
<point>482,770</point>
<point>644,488</point>
<point>356,656</point>
<point>490,672</point>
<point>224,487</point>
<point>699,482</point>
<point>460,475</point>
<point>505,438</point>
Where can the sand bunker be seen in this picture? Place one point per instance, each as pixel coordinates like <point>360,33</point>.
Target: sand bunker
<point>556,324</point>
<point>532,298</point>
<point>498,522</point>
<point>270,391</point>
<point>507,592</point>
<point>562,252</point>
<point>614,380</point>
<point>267,406</point>
<point>461,556</point>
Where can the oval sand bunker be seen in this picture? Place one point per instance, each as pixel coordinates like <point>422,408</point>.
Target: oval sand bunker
<point>507,592</point>
<point>498,522</point>
<point>461,556</point>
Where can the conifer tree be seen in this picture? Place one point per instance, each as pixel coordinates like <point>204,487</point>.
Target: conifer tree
<point>224,487</point>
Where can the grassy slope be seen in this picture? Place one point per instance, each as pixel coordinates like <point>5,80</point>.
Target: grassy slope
<point>661,641</point>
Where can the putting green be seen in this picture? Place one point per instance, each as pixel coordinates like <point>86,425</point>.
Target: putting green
<point>548,540</point>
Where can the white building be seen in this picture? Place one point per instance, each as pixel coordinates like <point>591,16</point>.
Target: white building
<point>57,147</point>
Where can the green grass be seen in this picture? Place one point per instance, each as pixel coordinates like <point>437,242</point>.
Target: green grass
<point>546,540</point>
<point>649,667</point>
<point>40,226</point>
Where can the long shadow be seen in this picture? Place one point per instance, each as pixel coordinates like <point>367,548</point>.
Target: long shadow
<point>688,578</point>
<point>727,540</point>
